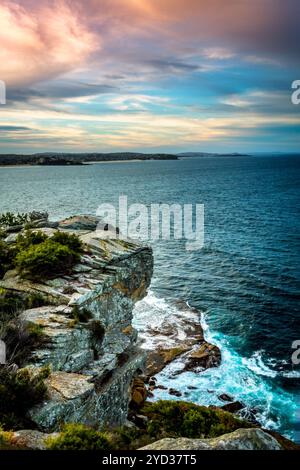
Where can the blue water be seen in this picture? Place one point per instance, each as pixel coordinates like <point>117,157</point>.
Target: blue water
<point>245,280</point>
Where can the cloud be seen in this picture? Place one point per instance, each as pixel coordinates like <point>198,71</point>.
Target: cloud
<point>42,42</point>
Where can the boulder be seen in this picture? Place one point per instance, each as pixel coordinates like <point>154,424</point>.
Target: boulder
<point>138,393</point>
<point>233,407</point>
<point>242,439</point>
<point>225,397</point>
<point>208,355</point>
<point>30,439</point>
<point>80,222</point>
<point>176,393</point>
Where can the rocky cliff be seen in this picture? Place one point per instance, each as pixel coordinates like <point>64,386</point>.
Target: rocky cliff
<point>88,338</point>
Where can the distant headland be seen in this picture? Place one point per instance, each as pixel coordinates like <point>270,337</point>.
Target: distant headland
<point>70,159</point>
<point>65,159</point>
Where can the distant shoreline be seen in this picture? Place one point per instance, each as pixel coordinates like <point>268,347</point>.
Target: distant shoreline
<point>71,159</point>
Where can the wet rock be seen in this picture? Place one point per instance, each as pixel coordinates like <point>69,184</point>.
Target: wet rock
<point>176,393</point>
<point>157,360</point>
<point>233,407</point>
<point>152,381</point>
<point>208,355</point>
<point>225,397</point>
<point>242,439</point>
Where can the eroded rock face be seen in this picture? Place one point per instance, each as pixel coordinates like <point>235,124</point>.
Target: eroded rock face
<point>93,361</point>
<point>242,439</point>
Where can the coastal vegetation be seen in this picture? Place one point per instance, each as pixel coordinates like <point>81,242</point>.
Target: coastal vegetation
<point>19,391</point>
<point>35,255</point>
<point>164,419</point>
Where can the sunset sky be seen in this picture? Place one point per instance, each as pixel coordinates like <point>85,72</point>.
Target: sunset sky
<point>149,75</point>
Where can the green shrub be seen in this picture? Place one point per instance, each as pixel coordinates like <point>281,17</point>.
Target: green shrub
<point>19,391</point>
<point>28,238</point>
<point>68,239</point>
<point>182,419</point>
<point>10,219</point>
<point>5,439</point>
<point>11,304</point>
<point>46,260</point>
<point>79,437</point>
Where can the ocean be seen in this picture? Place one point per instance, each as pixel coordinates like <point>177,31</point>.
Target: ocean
<point>244,281</point>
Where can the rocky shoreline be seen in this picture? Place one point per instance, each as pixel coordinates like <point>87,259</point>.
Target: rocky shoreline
<point>102,372</point>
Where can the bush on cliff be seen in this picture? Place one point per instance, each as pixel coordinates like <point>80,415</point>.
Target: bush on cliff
<point>68,239</point>
<point>79,437</point>
<point>46,260</point>
<point>182,419</point>
<point>19,391</point>
<point>11,219</point>
<point>28,238</point>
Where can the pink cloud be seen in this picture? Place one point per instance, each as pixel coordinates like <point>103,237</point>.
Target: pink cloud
<point>42,42</point>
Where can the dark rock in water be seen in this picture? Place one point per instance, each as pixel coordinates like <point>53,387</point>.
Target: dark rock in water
<point>176,393</point>
<point>161,387</point>
<point>250,415</point>
<point>152,381</point>
<point>225,397</point>
<point>233,407</point>
<point>208,355</point>
<point>191,387</point>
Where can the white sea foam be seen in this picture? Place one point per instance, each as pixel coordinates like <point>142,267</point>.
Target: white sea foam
<point>245,379</point>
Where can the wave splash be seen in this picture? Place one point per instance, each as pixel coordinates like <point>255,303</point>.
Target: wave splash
<point>247,379</point>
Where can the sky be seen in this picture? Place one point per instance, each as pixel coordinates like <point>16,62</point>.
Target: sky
<point>149,75</point>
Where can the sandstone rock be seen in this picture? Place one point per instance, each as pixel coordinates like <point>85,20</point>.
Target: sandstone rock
<point>93,361</point>
<point>30,439</point>
<point>242,439</point>
<point>157,360</point>
<point>138,393</point>
<point>208,355</point>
